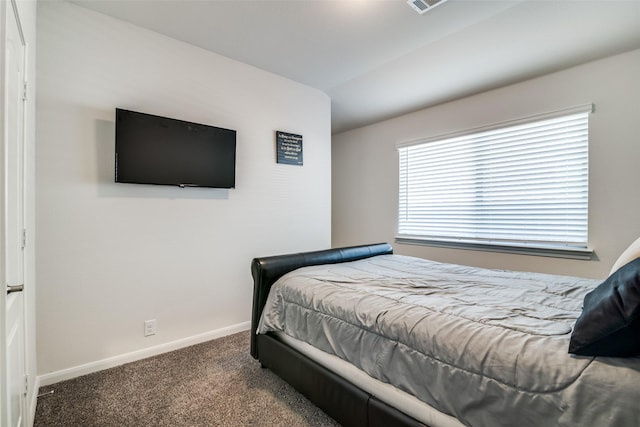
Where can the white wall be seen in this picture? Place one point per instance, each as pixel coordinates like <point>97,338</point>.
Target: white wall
<point>113,255</point>
<point>365,169</point>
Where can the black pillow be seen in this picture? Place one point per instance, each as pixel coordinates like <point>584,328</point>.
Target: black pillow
<point>610,321</point>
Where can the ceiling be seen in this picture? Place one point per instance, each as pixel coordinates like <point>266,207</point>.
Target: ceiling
<point>377,59</point>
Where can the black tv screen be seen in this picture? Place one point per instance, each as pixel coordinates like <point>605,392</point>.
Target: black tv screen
<point>159,150</point>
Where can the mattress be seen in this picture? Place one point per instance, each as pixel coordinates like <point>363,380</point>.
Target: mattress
<point>487,347</point>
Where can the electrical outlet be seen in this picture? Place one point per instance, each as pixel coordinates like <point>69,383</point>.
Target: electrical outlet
<point>149,327</point>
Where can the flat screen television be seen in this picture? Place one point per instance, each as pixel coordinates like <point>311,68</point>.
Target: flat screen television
<point>159,150</point>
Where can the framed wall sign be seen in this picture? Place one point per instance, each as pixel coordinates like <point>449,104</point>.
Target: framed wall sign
<point>289,148</point>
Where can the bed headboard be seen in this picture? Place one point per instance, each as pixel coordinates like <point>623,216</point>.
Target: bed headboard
<point>267,270</point>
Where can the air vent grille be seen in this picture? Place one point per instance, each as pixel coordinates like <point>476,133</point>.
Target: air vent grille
<point>422,6</point>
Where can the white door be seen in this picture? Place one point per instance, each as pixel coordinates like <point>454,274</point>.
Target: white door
<point>12,212</point>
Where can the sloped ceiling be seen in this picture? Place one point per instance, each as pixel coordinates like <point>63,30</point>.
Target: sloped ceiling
<point>377,59</point>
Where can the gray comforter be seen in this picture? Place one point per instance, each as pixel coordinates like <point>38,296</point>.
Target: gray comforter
<point>486,346</point>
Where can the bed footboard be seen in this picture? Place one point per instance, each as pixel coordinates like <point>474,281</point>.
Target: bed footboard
<point>267,270</point>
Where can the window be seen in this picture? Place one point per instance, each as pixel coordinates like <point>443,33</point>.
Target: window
<point>515,187</point>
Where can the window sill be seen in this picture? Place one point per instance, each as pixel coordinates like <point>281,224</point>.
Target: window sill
<point>558,251</point>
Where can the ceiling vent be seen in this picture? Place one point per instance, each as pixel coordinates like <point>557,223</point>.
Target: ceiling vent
<point>422,6</point>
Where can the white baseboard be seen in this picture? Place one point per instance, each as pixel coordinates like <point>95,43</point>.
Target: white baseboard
<point>88,368</point>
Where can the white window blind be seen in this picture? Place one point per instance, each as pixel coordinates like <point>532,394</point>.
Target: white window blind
<point>516,185</point>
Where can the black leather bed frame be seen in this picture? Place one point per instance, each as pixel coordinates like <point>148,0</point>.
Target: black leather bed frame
<point>343,401</point>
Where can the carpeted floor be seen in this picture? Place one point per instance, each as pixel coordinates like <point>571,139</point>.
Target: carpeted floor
<point>216,383</point>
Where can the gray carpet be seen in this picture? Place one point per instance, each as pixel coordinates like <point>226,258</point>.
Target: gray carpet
<point>216,383</point>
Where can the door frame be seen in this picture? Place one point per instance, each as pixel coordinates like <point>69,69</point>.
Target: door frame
<point>9,10</point>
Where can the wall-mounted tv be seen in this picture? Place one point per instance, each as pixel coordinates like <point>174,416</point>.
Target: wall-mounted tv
<point>159,150</point>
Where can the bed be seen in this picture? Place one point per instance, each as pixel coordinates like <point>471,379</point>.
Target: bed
<point>377,339</point>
